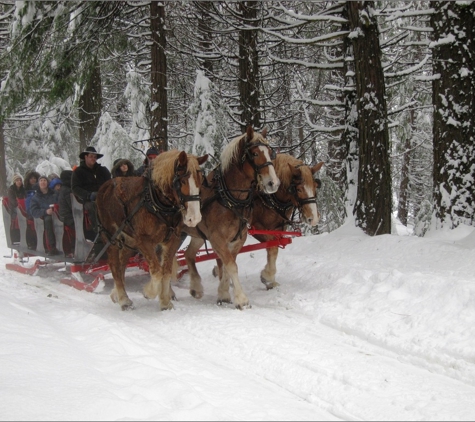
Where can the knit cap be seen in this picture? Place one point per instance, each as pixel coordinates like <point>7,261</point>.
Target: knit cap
<point>54,182</point>
<point>16,177</point>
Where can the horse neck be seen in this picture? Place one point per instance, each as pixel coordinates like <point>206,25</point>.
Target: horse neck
<point>238,182</point>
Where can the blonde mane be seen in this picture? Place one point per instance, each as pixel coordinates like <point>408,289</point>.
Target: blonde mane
<point>231,152</point>
<point>163,168</point>
<point>282,169</point>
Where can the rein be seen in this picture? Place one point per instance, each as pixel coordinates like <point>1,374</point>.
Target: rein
<point>282,208</point>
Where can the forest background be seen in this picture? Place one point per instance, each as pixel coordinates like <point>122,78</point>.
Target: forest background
<point>383,92</point>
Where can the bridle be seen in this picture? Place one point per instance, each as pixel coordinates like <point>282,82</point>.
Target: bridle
<point>181,173</point>
<point>247,155</point>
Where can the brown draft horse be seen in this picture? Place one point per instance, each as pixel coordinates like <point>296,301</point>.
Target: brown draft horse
<point>298,191</point>
<point>227,197</point>
<point>147,215</point>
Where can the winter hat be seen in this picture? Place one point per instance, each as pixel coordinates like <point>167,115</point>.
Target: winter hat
<point>54,182</point>
<point>90,150</point>
<point>43,177</point>
<point>116,161</point>
<point>152,151</point>
<point>16,177</point>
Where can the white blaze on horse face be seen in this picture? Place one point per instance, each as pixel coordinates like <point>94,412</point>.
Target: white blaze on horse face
<point>269,182</point>
<point>193,213</point>
<point>313,217</point>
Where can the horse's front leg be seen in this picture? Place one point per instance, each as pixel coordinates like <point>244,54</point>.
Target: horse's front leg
<point>155,287</point>
<point>224,296</point>
<point>269,271</point>
<point>117,260</point>
<point>196,287</point>
<point>168,266</point>
<point>230,271</point>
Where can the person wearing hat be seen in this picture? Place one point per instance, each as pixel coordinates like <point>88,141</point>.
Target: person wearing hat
<point>86,181</point>
<point>55,184</point>
<point>31,180</point>
<point>40,207</point>
<point>15,191</point>
<point>151,154</point>
<point>122,168</point>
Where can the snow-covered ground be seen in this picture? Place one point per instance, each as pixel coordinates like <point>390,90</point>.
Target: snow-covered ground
<point>360,328</point>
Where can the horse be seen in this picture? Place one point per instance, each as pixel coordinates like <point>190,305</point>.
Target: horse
<point>297,191</point>
<point>146,215</point>
<point>227,197</point>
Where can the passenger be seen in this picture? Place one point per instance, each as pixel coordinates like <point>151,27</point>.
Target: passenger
<point>41,208</point>
<point>122,168</point>
<point>31,180</point>
<point>31,185</point>
<point>152,153</point>
<point>15,191</point>
<point>86,181</point>
<point>64,199</point>
<point>52,176</point>
<point>55,184</point>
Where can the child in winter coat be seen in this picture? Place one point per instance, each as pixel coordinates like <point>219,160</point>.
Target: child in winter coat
<point>40,207</point>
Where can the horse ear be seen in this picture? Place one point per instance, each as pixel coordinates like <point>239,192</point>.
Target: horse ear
<point>264,133</point>
<point>317,167</point>
<point>250,133</point>
<point>203,159</point>
<point>182,159</point>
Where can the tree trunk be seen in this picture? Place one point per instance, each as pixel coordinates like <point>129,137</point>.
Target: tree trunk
<point>159,99</point>
<point>90,107</point>
<point>342,166</point>
<point>205,36</point>
<point>249,66</point>
<point>404,185</point>
<point>373,203</point>
<point>3,167</point>
<point>453,91</point>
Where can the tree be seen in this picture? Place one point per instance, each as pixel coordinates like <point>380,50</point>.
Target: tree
<point>454,104</point>
<point>159,101</point>
<point>373,205</point>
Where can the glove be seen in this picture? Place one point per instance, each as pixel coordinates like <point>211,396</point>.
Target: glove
<point>93,196</point>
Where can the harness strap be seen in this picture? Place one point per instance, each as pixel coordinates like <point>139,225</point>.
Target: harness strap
<point>118,231</point>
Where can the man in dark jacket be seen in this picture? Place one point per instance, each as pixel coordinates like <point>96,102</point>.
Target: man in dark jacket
<point>40,207</point>
<point>86,181</point>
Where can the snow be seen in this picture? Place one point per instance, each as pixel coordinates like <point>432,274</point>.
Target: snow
<point>360,328</point>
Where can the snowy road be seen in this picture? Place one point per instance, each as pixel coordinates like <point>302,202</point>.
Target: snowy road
<point>75,355</point>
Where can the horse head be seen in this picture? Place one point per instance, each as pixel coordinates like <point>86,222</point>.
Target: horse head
<point>256,159</point>
<point>299,186</point>
<point>184,184</point>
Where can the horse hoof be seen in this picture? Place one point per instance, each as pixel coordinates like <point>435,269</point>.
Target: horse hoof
<point>221,301</point>
<point>269,284</point>
<point>167,308</point>
<point>242,307</point>
<point>128,307</point>
<point>196,294</point>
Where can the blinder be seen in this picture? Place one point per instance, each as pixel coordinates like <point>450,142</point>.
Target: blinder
<point>250,158</point>
<point>177,179</point>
